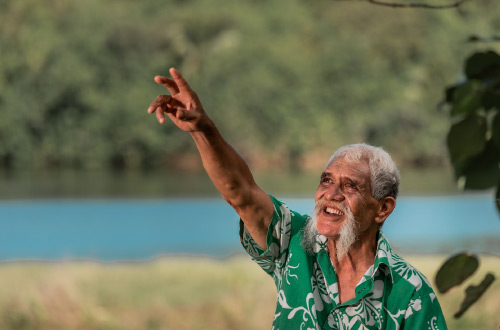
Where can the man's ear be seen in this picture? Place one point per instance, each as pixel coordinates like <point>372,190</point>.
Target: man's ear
<point>386,206</point>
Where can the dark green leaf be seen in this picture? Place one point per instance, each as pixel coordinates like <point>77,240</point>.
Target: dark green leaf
<point>473,293</point>
<point>466,98</point>
<point>483,171</point>
<point>455,270</point>
<point>491,99</point>
<point>467,138</point>
<point>482,65</point>
<point>495,130</point>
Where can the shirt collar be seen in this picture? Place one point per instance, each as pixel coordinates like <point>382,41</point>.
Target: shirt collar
<point>382,256</point>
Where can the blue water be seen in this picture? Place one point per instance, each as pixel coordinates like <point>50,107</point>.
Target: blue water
<point>111,230</point>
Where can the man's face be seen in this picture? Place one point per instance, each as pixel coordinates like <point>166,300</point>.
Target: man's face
<point>346,185</point>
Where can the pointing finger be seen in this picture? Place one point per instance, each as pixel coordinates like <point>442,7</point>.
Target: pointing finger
<point>168,83</point>
<point>182,85</point>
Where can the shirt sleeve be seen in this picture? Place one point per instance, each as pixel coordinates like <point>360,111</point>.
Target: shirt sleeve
<point>424,312</point>
<point>271,260</point>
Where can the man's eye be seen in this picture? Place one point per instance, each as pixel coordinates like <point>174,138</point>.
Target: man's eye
<point>326,180</point>
<point>350,185</point>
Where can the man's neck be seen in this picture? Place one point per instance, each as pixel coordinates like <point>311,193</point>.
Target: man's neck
<point>351,268</point>
<point>361,254</point>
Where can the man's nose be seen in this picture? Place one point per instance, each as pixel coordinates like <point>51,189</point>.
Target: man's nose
<point>335,193</point>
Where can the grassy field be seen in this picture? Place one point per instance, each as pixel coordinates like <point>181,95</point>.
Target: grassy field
<point>177,293</point>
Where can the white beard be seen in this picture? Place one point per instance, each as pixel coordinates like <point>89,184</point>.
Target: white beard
<point>347,236</point>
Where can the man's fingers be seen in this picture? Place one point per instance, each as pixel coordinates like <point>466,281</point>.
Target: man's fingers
<point>181,83</point>
<point>152,108</point>
<point>161,100</point>
<point>168,83</point>
<point>182,114</point>
<point>160,115</point>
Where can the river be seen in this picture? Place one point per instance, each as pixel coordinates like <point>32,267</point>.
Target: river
<point>116,229</point>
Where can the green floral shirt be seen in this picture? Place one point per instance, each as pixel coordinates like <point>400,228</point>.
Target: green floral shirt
<point>391,295</point>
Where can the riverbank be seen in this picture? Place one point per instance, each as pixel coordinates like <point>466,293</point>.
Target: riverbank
<point>22,185</point>
<point>178,293</point>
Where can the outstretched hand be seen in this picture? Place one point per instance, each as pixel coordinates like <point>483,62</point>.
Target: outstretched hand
<point>182,106</point>
<point>227,170</point>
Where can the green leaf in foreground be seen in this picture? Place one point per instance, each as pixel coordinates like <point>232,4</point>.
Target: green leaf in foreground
<point>491,99</point>
<point>455,270</point>
<point>483,171</point>
<point>473,293</point>
<point>467,98</point>
<point>482,65</point>
<point>467,138</point>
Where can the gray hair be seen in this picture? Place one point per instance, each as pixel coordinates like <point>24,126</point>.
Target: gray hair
<point>384,173</point>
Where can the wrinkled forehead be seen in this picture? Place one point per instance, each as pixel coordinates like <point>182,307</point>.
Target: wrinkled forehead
<point>356,168</point>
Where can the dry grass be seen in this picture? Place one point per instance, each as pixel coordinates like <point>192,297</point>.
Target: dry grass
<point>175,293</point>
<point>485,313</point>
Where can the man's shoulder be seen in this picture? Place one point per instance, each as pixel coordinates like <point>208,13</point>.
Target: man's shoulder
<point>406,275</point>
<point>283,212</point>
<point>402,272</point>
<point>412,288</point>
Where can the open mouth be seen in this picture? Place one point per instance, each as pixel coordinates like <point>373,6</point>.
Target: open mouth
<point>332,210</point>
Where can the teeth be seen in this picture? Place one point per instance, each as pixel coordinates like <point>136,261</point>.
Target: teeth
<point>333,211</point>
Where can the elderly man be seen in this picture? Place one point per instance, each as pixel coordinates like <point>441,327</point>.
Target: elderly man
<point>335,269</point>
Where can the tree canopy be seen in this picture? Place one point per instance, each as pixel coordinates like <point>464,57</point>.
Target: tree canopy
<point>284,83</point>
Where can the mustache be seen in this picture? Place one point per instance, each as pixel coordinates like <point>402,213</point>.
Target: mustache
<point>322,203</point>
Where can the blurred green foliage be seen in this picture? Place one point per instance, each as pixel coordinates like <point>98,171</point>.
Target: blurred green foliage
<point>284,82</point>
<point>474,146</point>
<point>474,137</point>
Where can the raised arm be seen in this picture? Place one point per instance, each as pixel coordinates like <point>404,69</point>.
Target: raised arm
<point>227,170</point>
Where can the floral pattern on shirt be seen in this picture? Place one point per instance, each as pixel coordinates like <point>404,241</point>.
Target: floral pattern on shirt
<point>391,295</point>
